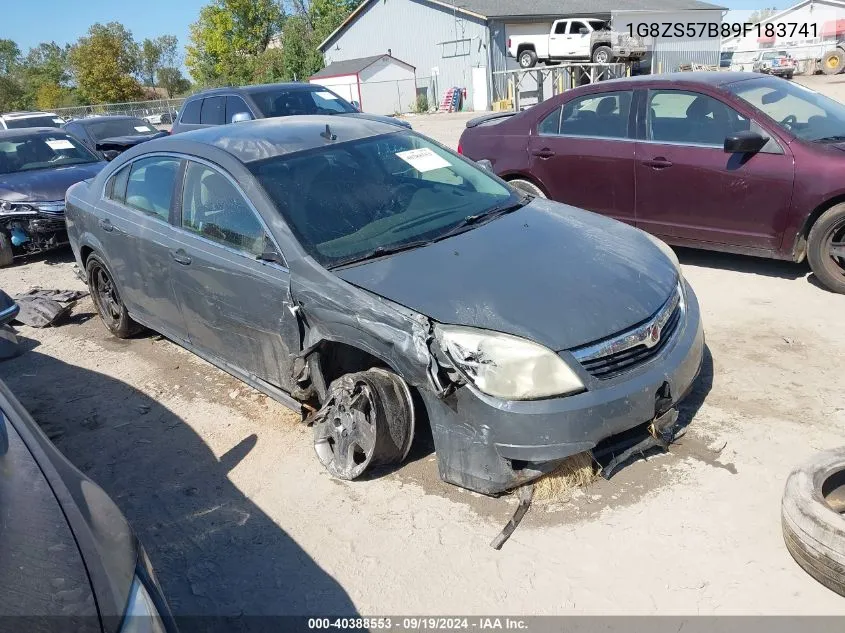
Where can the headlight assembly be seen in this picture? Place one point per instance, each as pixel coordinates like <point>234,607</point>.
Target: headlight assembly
<point>141,614</point>
<point>505,366</point>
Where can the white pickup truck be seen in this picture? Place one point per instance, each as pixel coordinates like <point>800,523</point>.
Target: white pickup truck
<point>574,39</point>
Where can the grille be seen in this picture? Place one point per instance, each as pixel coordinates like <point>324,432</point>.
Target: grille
<point>631,349</point>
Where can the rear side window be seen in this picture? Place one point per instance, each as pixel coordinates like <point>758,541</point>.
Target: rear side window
<point>550,123</point>
<point>213,111</point>
<point>602,115</point>
<point>191,112</point>
<point>234,105</point>
<point>150,186</point>
<point>116,189</point>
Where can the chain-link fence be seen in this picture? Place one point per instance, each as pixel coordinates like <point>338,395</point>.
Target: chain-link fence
<point>161,110</point>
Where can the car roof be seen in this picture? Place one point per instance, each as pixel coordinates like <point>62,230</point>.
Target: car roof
<point>266,138</point>
<point>6,135</point>
<point>107,117</point>
<point>710,78</point>
<point>293,85</point>
<point>24,115</point>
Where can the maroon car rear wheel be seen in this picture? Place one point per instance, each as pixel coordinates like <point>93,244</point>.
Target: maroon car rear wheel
<point>826,248</point>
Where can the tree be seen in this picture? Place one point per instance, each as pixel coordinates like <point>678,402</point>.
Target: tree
<point>10,56</point>
<point>156,54</point>
<point>11,93</point>
<point>761,14</point>
<point>45,65</point>
<point>172,81</point>
<point>104,62</point>
<point>50,96</point>
<point>313,21</point>
<point>229,37</point>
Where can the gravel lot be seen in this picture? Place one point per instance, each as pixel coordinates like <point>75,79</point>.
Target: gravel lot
<point>238,517</point>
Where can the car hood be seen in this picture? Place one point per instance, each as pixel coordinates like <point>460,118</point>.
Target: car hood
<point>42,185</point>
<point>378,117</point>
<point>548,272</point>
<point>125,142</point>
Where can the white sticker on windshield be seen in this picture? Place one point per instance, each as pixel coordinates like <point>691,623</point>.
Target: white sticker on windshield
<point>59,121</point>
<point>327,95</point>
<point>60,143</point>
<point>423,160</point>
<point>142,128</point>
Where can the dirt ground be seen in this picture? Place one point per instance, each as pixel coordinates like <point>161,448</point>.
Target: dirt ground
<point>239,518</point>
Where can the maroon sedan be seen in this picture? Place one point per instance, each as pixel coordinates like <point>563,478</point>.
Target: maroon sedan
<point>734,162</point>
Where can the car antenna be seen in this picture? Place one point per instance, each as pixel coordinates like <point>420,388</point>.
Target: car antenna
<point>328,135</point>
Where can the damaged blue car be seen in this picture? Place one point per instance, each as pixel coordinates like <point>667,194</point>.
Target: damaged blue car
<point>378,282</point>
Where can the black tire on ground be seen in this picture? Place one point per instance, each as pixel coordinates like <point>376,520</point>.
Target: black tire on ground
<point>833,62</point>
<point>367,421</point>
<point>826,240</point>
<point>602,55</point>
<point>107,300</point>
<point>527,186</point>
<point>812,518</point>
<point>7,255</point>
<point>527,59</point>
<point>788,76</point>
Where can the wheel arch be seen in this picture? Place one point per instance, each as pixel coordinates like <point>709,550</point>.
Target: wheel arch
<point>799,246</point>
<point>525,46</point>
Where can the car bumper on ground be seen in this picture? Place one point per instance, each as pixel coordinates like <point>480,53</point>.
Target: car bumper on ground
<point>490,446</point>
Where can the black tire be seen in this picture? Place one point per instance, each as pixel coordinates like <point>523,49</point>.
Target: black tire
<point>788,76</point>
<point>827,237</point>
<point>527,59</point>
<point>527,186</point>
<point>367,421</point>
<point>812,518</point>
<point>602,55</point>
<point>107,300</point>
<point>833,62</point>
<point>7,255</point>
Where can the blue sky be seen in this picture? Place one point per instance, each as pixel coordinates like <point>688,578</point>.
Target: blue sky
<point>63,21</point>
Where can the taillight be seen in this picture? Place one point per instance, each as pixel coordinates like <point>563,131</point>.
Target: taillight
<point>460,149</point>
<point>509,42</point>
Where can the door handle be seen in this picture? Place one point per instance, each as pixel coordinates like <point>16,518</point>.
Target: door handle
<point>543,153</point>
<point>180,257</point>
<point>658,163</point>
<point>106,225</point>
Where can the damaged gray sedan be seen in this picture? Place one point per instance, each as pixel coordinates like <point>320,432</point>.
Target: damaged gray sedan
<point>378,282</point>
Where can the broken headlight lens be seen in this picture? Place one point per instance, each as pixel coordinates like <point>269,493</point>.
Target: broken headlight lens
<point>505,366</point>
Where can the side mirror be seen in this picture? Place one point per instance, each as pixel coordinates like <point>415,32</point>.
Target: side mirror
<point>485,164</point>
<point>110,154</point>
<point>745,143</point>
<point>356,105</point>
<point>270,254</point>
<point>583,31</point>
<point>240,117</point>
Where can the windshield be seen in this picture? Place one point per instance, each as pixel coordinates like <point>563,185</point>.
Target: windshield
<point>42,151</point>
<point>48,120</point>
<point>285,102</point>
<point>347,201</point>
<point>121,127</point>
<point>807,114</point>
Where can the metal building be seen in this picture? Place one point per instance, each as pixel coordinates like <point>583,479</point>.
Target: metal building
<point>446,39</point>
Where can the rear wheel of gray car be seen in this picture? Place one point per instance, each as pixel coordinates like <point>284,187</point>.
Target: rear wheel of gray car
<point>826,248</point>
<point>107,300</point>
<point>7,256</point>
<point>527,59</point>
<point>366,421</point>
<point>602,55</point>
<point>527,187</point>
<point>813,518</point>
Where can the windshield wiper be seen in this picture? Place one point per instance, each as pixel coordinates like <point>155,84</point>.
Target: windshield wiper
<point>831,139</point>
<point>490,214</point>
<point>381,251</point>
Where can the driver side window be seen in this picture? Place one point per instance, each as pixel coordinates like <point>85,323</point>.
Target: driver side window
<point>214,208</point>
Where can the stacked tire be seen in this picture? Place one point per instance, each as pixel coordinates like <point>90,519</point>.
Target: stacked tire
<point>813,518</point>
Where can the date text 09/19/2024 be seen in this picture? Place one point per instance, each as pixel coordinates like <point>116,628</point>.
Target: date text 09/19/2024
<point>722,29</point>
<point>410,623</point>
